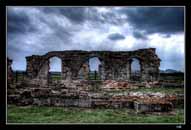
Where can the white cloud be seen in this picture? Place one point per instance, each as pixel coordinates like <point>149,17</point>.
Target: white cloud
<point>170,50</point>
<point>126,44</point>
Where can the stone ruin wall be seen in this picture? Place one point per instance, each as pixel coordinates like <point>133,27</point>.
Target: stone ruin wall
<point>114,65</point>
<point>9,71</point>
<point>72,91</point>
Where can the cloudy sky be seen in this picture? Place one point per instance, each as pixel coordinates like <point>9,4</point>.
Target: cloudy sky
<point>38,30</point>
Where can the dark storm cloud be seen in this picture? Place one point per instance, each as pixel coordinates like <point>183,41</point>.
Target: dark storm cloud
<point>116,36</point>
<point>104,17</point>
<point>18,22</point>
<point>58,30</point>
<point>82,14</point>
<point>75,14</point>
<point>167,35</point>
<point>38,30</point>
<point>139,35</point>
<point>156,19</point>
<point>22,25</point>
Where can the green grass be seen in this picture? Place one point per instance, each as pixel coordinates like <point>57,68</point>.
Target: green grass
<point>56,77</point>
<point>36,114</point>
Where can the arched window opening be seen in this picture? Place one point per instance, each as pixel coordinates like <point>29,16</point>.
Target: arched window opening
<point>94,68</point>
<point>135,69</point>
<point>55,68</point>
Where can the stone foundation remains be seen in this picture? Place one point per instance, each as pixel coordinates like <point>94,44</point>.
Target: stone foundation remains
<point>84,93</point>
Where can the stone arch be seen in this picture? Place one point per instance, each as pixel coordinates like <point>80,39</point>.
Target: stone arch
<point>95,67</point>
<point>135,69</point>
<point>135,75</point>
<point>85,66</point>
<point>49,56</point>
<point>55,71</point>
<point>44,66</point>
<point>94,63</point>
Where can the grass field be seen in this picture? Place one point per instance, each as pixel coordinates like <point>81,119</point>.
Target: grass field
<point>43,114</point>
<point>34,114</point>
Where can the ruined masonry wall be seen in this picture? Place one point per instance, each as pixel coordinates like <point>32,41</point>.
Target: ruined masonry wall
<point>114,64</point>
<point>9,71</point>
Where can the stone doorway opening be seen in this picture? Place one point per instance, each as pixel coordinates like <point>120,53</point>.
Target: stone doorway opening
<point>55,69</point>
<point>90,69</point>
<point>135,69</point>
<point>94,68</point>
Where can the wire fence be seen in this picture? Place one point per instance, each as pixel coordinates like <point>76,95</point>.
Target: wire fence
<point>19,76</point>
<point>94,75</point>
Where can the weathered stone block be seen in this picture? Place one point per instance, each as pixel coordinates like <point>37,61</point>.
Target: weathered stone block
<point>13,99</point>
<point>100,103</point>
<point>152,107</point>
<point>85,103</point>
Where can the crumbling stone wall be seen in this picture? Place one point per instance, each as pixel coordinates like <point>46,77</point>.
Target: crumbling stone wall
<point>78,93</point>
<point>9,71</point>
<point>115,65</point>
<point>84,71</point>
<point>115,72</point>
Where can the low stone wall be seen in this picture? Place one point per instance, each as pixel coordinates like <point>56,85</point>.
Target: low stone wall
<point>80,94</point>
<point>152,106</point>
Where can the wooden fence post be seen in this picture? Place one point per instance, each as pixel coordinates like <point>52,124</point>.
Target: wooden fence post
<point>48,78</point>
<point>95,75</point>
<point>23,75</point>
<point>16,76</point>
